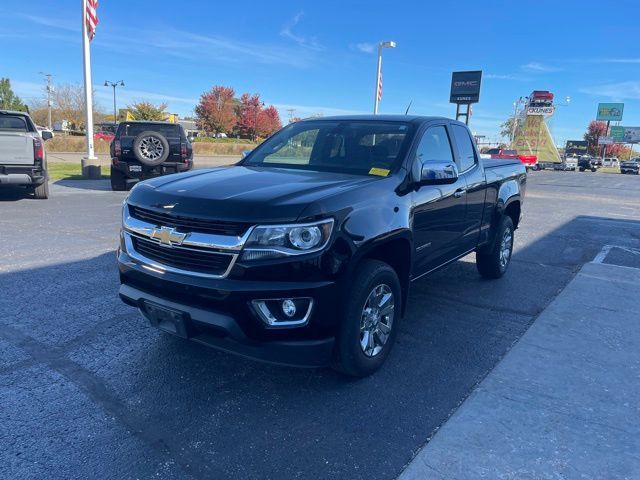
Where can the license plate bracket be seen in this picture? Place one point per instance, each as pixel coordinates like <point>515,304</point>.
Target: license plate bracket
<point>166,319</point>
<point>135,168</point>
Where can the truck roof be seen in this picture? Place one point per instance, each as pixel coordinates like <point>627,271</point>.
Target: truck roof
<point>382,118</point>
<point>14,112</point>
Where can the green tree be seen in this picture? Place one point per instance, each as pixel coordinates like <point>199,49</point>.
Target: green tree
<point>506,129</point>
<point>8,99</point>
<point>148,111</point>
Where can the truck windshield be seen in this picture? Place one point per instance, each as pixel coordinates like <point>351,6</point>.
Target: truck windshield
<point>357,147</point>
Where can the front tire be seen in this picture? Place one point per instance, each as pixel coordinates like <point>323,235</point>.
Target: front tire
<point>494,263</point>
<point>370,321</point>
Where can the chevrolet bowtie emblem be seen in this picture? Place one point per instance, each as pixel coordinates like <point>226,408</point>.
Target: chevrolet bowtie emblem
<point>168,236</point>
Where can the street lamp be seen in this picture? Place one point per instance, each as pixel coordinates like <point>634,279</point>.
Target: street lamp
<point>516,104</point>
<point>377,93</point>
<point>119,83</point>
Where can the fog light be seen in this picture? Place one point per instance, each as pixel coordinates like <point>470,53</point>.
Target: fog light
<point>288,307</point>
<point>283,312</point>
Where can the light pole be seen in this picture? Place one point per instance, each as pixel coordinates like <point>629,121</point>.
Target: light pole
<point>378,92</point>
<point>516,104</point>
<point>119,83</point>
<point>49,92</point>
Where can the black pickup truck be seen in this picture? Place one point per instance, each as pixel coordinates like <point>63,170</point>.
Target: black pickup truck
<point>146,149</point>
<point>303,252</point>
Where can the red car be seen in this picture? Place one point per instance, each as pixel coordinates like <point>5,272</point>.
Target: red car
<point>107,137</point>
<point>529,161</point>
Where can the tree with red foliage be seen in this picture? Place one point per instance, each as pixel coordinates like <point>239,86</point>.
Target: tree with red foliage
<point>248,115</point>
<point>268,121</point>
<point>215,112</point>
<point>598,129</point>
<point>594,131</point>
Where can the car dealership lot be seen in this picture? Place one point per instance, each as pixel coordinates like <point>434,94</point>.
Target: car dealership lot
<point>88,388</point>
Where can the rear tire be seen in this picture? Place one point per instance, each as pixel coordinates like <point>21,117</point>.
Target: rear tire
<point>375,290</point>
<point>151,148</point>
<point>118,181</point>
<point>495,262</point>
<point>581,169</point>
<point>593,170</point>
<point>41,192</point>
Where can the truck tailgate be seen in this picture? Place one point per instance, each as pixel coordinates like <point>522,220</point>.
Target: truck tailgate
<point>16,148</point>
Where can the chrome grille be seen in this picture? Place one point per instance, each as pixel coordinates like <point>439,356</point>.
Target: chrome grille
<point>188,224</point>
<point>192,259</point>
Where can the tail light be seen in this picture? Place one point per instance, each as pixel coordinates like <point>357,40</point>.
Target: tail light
<point>38,150</point>
<point>183,152</point>
<point>117,148</point>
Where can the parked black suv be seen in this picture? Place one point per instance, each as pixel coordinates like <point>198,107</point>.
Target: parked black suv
<point>142,150</point>
<point>586,162</point>
<point>304,252</point>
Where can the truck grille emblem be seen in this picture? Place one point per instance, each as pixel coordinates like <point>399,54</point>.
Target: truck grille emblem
<point>168,236</point>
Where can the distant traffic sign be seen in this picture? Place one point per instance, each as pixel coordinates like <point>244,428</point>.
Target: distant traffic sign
<point>617,133</point>
<point>610,112</point>
<point>605,140</point>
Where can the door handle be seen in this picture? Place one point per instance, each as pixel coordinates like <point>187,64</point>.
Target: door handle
<point>460,192</point>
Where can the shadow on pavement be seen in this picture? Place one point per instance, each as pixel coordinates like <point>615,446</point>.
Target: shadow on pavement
<point>79,183</point>
<point>214,415</point>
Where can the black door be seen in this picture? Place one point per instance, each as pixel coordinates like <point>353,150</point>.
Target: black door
<point>439,212</point>
<point>473,175</point>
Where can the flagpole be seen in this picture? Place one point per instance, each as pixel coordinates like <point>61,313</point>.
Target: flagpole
<point>90,164</point>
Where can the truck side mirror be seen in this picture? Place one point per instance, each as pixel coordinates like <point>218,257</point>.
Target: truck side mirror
<point>46,135</point>
<point>438,173</point>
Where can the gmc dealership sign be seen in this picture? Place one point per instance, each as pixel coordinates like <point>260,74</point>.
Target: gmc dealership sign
<point>465,87</point>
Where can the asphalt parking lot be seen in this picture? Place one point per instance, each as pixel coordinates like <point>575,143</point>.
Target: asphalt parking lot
<point>88,389</point>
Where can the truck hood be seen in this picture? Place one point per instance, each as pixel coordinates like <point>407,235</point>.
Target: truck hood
<point>242,194</point>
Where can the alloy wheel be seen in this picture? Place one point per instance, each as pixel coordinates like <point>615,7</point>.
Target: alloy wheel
<point>376,320</point>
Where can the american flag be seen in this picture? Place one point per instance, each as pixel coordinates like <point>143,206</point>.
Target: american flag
<point>91,17</point>
<point>380,87</point>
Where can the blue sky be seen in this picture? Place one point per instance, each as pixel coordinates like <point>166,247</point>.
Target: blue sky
<point>319,57</point>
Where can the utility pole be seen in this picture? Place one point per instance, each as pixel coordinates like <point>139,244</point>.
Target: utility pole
<point>291,112</point>
<point>49,92</point>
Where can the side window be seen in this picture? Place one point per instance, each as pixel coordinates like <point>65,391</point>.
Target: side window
<point>434,145</point>
<point>465,147</point>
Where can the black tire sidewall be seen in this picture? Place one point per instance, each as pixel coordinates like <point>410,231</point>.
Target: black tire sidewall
<point>141,158</point>
<point>506,223</point>
<point>350,357</point>
<point>118,180</point>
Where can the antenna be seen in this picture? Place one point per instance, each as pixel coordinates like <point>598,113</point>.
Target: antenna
<point>406,112</point>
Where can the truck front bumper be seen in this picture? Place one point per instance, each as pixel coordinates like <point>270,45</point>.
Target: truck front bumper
<point>219,312</point>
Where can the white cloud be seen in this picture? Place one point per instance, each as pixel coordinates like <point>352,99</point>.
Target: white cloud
<point>537,67</point>
<point>304,111</point>
<point>508,76</point>
<point>618,91</point>
<point>303,41</point>
<point>53,23</point>
<point>364,47</point>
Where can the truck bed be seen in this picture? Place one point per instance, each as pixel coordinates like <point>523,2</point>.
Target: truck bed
<point>496,162</point>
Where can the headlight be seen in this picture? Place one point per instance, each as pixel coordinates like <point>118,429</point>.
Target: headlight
<point>274,241</point>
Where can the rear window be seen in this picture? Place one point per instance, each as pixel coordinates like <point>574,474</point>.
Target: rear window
<point>135,129</point>
<point>13,123</point>
<point>510,152</point>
